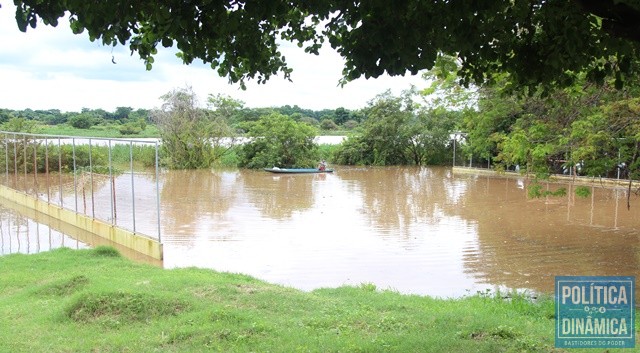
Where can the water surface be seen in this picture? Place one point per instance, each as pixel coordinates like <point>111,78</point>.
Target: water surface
<point>421,230</point>
<point>411,229</point>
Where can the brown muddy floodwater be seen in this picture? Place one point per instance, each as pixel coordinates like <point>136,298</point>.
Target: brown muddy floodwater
<point>415,230</point>
<point>24,234</point>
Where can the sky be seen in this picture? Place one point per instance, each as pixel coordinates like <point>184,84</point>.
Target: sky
<point>51,68</point>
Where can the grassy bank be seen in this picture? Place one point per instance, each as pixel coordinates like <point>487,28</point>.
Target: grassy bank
<point>94,301</point>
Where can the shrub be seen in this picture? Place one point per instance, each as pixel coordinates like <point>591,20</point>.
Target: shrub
<point>81,121</point>
<point>278,140</point>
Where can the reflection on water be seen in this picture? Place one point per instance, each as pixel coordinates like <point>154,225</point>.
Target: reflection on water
<point>416,230</point>
<point>23,230</point>
<point>101,196</point>
<point>24,235</point>
<point>524,243</point>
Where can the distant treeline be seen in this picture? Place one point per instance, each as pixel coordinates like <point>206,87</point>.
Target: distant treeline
<point>328,119</point>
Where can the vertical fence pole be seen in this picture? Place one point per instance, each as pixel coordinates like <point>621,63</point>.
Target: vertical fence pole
<point>133,191</point>
<point>46,166</point>
<point>454,150</point>
<point>93,208</point>
<point>60,171</point>
<point>35,169</point>
<point>15,159</point>
<point>111,188</point>
<point>6,156</point>
<point>18,233</point>
<point>158,193</point>
<point>75,183</point>
<point>24,161</point>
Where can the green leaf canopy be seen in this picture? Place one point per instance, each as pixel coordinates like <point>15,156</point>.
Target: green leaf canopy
<point>535,41</point>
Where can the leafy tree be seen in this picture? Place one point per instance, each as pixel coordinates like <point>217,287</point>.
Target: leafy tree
<point>399,131</point>
<point>191,137</point>
<point>28,114</point>
<point>535,41</point>
<point>129,129</point>
<point>122,113</point>
<point>341,116</point>
<point>384,140</point>
<point>387,130</point>
<point>353,151</point>
<point>225,107</point>
<point>608,139</point>
<point>278,140</point>
<point>327,124</point>
<point>445,90</point>
<point>98,115</point>
<point>246,116</point>
<point>309,120</point>
<point>296,116</point>
<point>583,128</point>
<point>496,114</point>
<point>133,127</point>
<point>50,116</point>
<point>431,130</point>
<point>140,114</point>
<point>350,124</point>
<point>81,121</point>
<point>18,125</point>
<point>5,115</point>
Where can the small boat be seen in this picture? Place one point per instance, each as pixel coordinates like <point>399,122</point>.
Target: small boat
<point>297,170</point>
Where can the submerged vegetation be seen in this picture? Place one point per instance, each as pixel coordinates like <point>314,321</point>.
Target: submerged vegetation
<point>534,190</point>
<point>277,140</point>
<point>93,300</point>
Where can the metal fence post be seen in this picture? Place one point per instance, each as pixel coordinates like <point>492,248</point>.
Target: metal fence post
<point>15,160</point>
<point>24,160</point>
<point>75,176</point>
<point>46,167</point>
<point>157,191</point>
<point>35,169</point>
<point>93,208</point>
<point>60,171</point>
<point>133,191</point>
<point>6,157</point>
<point>111,188</point>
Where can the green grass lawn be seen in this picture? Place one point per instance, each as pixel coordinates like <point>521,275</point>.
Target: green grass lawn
<point>96,301</point>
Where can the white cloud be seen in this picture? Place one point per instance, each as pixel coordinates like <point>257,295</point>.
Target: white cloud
<point>50,68</point>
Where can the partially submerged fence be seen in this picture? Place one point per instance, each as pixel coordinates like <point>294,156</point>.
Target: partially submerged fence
<point>97,183</point>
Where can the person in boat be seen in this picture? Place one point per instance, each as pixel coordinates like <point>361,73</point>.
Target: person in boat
<point>322,165</point>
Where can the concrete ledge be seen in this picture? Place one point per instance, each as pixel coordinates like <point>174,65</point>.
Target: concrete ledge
<point>589,181</point>
<point>137,242</point>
